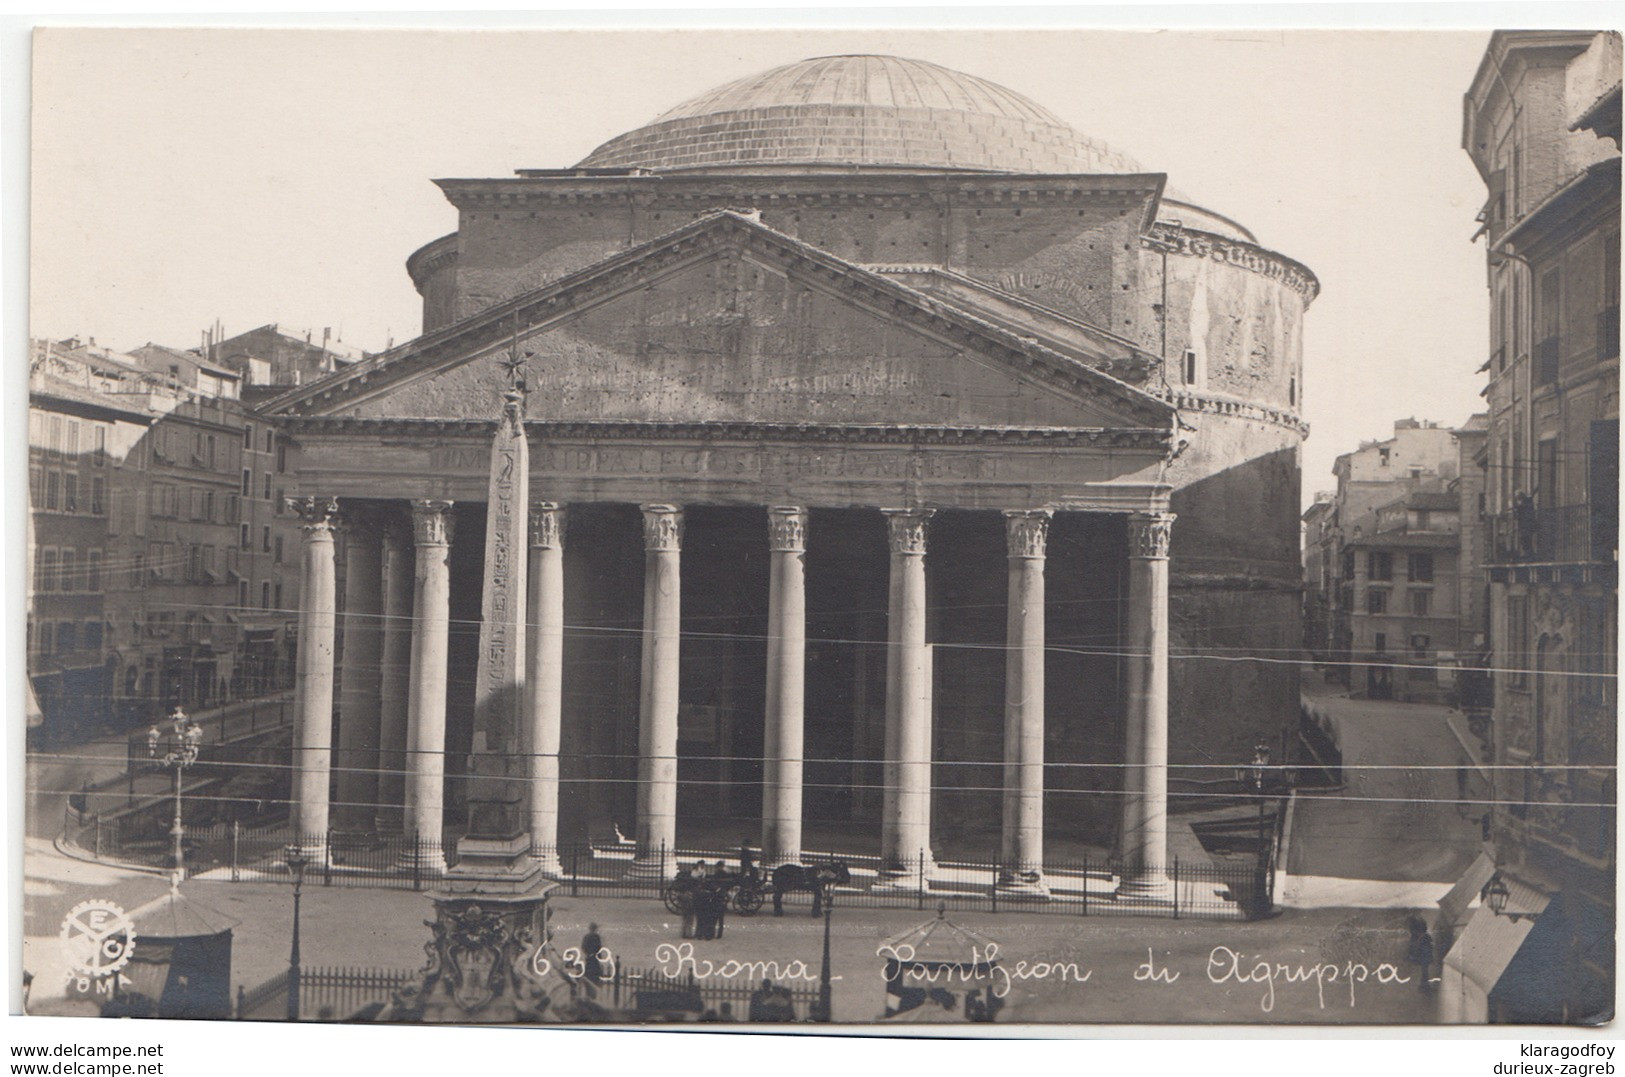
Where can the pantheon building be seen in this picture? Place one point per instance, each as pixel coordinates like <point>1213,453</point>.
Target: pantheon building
<point>906,473</point>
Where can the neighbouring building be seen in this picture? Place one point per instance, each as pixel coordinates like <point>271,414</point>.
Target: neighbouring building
<point>1542,125</point>
<point>1348,565</point>
<point>79,435</point>
<point>164,566</point>
<point>270,359</point>
<point>974,448</point>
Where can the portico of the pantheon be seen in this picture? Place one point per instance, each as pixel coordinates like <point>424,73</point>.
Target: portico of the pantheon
<point>899,459</point>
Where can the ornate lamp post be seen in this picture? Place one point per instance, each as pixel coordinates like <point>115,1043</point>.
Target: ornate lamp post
<point>1255,775</point>
<point>824,1001</point>
<point>177,749</point>
<point>297,862</point>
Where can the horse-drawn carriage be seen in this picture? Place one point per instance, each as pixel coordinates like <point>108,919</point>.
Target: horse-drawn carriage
<point>746,891</point>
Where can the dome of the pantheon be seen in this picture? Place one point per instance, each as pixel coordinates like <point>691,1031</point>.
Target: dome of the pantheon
<point>871,112</point>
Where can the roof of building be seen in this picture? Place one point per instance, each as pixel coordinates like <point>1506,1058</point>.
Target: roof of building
<point>860,111</point>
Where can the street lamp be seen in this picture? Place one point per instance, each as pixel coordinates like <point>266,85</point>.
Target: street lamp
<point>177,749</point>
<point>824,1001</point>
<point>297,862</point>
<point>1255,776</point>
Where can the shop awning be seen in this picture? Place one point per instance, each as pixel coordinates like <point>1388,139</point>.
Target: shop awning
<point>1454,905</point>
<point>1490,942</point>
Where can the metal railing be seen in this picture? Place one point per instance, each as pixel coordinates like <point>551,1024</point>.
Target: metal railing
<point>1080,886</point>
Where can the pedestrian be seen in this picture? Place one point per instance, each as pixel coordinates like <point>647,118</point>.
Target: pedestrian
<point>1420,953</point>
<point>705,924</point>
<point>592,945</point>
<point>727,1012</point>
<point>747,859</point>
<point>758,1001</point>
<point>720,913</point>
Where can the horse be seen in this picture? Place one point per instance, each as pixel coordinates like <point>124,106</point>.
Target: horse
<point>788,878</point>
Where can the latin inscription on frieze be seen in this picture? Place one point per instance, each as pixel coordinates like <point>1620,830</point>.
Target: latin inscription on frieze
<point>744,463</point>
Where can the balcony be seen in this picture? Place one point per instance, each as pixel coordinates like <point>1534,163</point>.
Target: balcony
<point>1543,536</point>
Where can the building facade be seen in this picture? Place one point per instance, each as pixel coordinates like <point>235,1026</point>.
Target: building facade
<point>1542,127</point>
<point>871,392</point>
<point>165,569</point>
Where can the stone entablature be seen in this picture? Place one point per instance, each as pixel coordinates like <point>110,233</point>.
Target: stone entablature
<point>1208,403</point>
<point>431,258</point>
<point>693,463</point>
<point>1191,243</point>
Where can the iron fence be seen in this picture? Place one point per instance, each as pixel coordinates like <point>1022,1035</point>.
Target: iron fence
<point>1086,886</point>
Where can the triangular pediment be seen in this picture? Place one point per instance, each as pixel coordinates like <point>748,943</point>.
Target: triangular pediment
<point>728,321</point>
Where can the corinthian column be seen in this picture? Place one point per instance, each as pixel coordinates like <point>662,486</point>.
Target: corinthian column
<point>786,680</point>
<point>396,665</point>
<point>313,697</point>
<point>1022,849</point>
<point>906,837</point>
<point>1145,803</point>
<point>360,673</point>
<point>657,720</point>
<point>432,527</point>
<point>544,682</point>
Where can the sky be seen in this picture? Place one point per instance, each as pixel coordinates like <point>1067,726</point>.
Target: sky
<point>181,176</point>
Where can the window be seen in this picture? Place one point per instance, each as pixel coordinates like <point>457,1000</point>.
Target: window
<point>70,492</point>
<point>281,500</point>
<point>53,490</point>
<point>248,482</point>
<point>1608,316</point>
<point>1420,642</point>
<point>279,596</point>
<point>93,570</point>
<point>194,564</point>
<point>98,494</point>
<point>267,486</point>
<point>99,456</point>
<point>234,508</point>
<point>1602,478</point>
<point>243,538</point>
<point>265,539</point>
<point>248,435</point>
<point>66,564</point>
<point>1376,601</point>
<point>138,569</point>
<point>1420,567</point>
<point>1380,565</point>
<point>46,570</point>
<point>208,505</point>
<point>72,447</point>
<point>208,563</point>
<point>1420,602</point>
<point>1379,642</point>
<point>1382,457</point>
<point>208,457</point>
<point>67,637</point>
<point>44,640</point>
<point>1546,475</point>
<point>36,486</point>
<point>93,636</point>
<point>242,594</point>
<point>281,458</point>
<point>265,596</point>
<point>278,557</point>
<point>270,440</point>
<point>1190,366</point>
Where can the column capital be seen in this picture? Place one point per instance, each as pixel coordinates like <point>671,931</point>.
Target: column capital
<point>432,522</point>
<point>907,529</point>
<point>662,528</point>
<point>316,515</point>
<point>787,529</point>
<point>1149,534</point>
<point>547,525</point>
<point>1026,532</point>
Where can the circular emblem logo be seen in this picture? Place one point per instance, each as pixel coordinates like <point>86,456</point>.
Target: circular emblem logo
<point>98,938</point>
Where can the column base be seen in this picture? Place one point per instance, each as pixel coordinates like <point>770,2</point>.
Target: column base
<point>547,859</point>
<point>427,861</point>
<point>1151,887</point>
<point>1023,884</point>
<point>907,878</point>
<point>656,865</point>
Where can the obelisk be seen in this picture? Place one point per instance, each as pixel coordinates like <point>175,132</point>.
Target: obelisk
<point>498,843</point>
